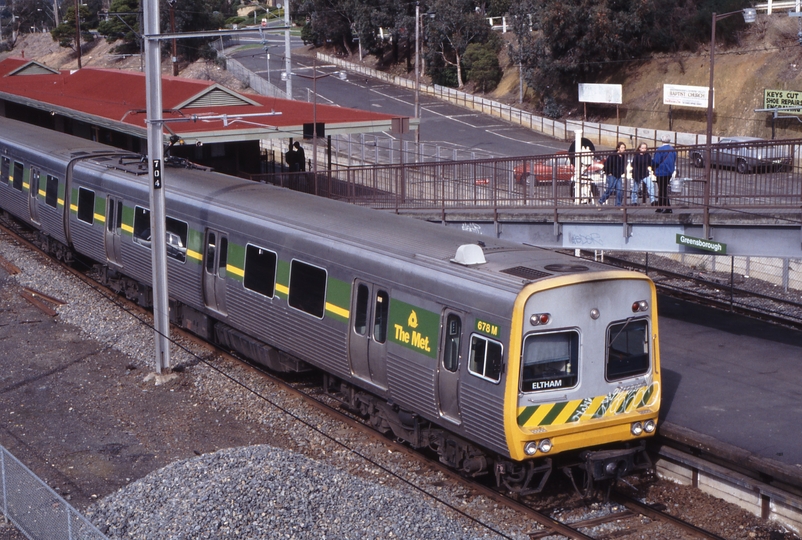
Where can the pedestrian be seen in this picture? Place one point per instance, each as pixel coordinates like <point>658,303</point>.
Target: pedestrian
<point>300,156</point>
<point>641,171</point>
<point>615,167</point>
<point>291,156</point>
<point>664,163</point>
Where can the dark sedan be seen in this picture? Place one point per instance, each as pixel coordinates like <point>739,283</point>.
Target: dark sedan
<point>746,155</point>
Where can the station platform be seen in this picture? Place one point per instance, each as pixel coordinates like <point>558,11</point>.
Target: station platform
<point>733,380</point>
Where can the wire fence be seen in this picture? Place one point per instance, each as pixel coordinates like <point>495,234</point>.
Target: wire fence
<point>743,175</point>
<point>35,509</point>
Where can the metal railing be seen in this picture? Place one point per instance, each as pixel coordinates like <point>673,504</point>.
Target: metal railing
<point>35,509</point>
<point>756,174</point>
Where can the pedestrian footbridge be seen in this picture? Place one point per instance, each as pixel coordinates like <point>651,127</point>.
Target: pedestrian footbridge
<point>751,206</point>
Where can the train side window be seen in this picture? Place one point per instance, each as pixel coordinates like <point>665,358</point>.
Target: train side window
<point>176,237</point>
<point>211,246</point>
<point>451,349</point>
<point>550,361</point>
<point>86,205</point>
<point>51,191</point>
<point>380,317</point>
<point>222,262</point>
<point>142,226</point>
<point>16,179</point>
<point>307,288</point>
<point>260,270</point>
<point>627,349</point>
<point>5,167</point>
<point>361,313</point>
<point>486,358</point>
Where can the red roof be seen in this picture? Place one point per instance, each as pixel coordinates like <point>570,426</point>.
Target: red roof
<point>118,98</point>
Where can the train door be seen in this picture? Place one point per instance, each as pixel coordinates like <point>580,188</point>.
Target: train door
<point>367,344</point>
<point>448,370</point>
<point>214,274</point>
<point>114,221</point>
<point>33,201</point>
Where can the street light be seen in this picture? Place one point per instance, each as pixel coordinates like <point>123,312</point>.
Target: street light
<point>749,16</point>
<point>314,77</point>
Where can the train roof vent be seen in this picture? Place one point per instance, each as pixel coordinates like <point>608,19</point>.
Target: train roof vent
<point>525,272</point>
<point>469,255</point>
<point>566,267</point>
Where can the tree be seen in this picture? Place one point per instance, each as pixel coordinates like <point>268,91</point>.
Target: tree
<point>123,26</point>
<point>481,63</point>
<point>455,26</point>
<point>64,33</point>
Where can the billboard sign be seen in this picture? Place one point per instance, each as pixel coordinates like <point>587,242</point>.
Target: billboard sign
<point>782,98</point>
<point>600,93</point>
<point>686,96</point>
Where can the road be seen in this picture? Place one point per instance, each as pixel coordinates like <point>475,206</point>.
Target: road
<point>441,123</point>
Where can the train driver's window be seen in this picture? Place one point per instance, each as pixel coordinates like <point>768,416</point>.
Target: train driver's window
<point>451,348</point>
<point>549,361</point>
<point>5,166</point>
<point>627,349</point>
<point>486,358</point>
<point>86,205</point>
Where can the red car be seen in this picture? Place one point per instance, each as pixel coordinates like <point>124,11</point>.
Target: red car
<point>542,169</point>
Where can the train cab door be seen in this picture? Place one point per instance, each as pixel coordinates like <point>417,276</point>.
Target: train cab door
<point>33,200</point>
<point>449,367</point>
<point>215,257</point>
<point>367,342</point>
<point>114,222</point>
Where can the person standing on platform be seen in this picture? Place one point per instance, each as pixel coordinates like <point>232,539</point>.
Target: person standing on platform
<point>664,163</point>
<point>292,158</point>
<point>615,167</point>
<point>641,164</point>
<point>300,156</point>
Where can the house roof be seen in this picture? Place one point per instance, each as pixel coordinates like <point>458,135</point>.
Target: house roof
<point>196,111</point>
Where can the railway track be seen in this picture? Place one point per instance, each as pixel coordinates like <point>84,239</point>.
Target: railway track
<point>637,516</point>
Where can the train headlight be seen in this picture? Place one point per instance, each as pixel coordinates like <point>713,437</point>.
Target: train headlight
<point>649,426</point>
<point>531,448</point>
<point>544,446</point>
<point>595,313</point>
<point>640,305</point>
<point>539,319</point>
<point>636,429</point>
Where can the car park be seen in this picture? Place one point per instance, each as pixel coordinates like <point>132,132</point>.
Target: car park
<point>746,155</point>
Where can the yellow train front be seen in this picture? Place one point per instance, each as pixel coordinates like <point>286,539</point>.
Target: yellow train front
<point>583,381</point>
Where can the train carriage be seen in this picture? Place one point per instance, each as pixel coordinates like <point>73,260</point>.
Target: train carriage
<point>505,359</point>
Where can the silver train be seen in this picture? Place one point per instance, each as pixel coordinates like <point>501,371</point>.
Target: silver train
<point>506,360</point>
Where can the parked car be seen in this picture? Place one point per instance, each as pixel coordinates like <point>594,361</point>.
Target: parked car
<point>738,153</point>
<point>543,170</point>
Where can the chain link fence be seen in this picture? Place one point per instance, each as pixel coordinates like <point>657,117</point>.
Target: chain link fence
<point>35,509</point>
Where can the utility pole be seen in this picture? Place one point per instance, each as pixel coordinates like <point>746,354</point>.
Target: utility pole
<point>161,314</point>
<point>172,31</point>
<point>78,31</point>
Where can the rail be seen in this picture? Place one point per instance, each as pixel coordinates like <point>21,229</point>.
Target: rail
<point>750,175</point>
<point>35,509</point>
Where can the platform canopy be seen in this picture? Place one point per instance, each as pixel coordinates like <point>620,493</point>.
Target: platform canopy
<point>198,112</point>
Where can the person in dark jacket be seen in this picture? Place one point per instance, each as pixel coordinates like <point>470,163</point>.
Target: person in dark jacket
<point>664,163</point>
<point>300,156</point>
<point>615,166</point>
<point>641,164</point>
